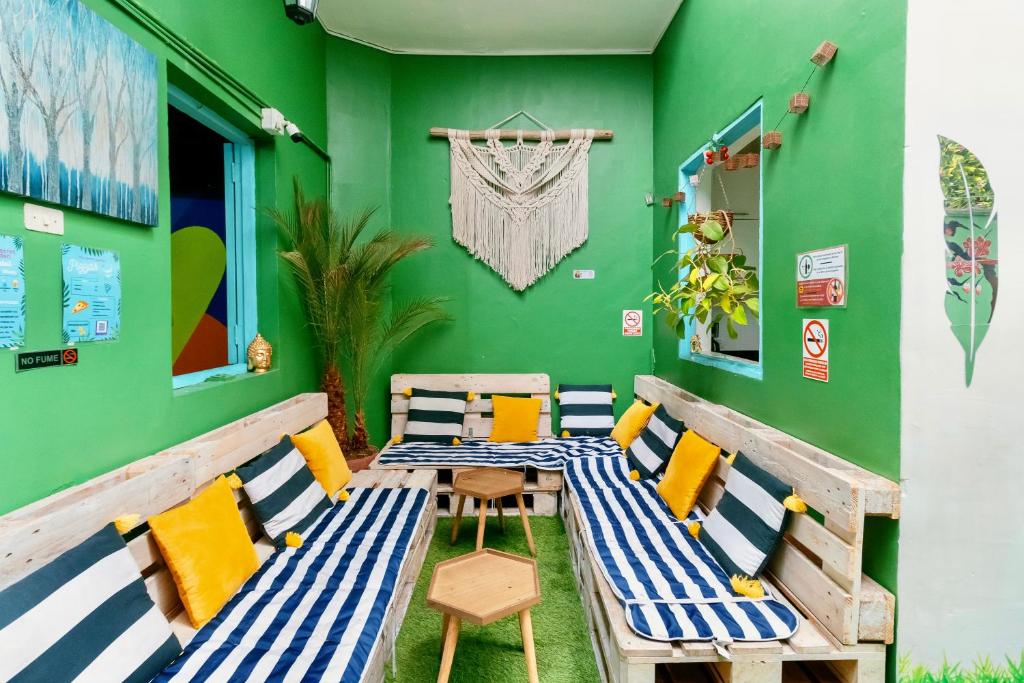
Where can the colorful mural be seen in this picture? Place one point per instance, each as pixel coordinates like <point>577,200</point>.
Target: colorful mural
<point>78,119</point>
<point>971,232</point>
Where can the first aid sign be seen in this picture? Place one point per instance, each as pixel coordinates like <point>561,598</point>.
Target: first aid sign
<point>815,345</point>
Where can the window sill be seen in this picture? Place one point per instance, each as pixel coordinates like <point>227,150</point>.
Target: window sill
<point>737,366</point>
<point>215,378</point>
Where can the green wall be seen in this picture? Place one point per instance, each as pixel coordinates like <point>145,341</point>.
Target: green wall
<point>836,180</point>
<point>568,329</point>
<point>62,426</point>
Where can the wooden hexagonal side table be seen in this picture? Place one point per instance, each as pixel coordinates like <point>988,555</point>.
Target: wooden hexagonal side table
<point>487,484</point>
<point>481,588</point>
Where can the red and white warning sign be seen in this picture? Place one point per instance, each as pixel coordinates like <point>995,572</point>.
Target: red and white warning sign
<point>821,278</point>
<point>815,345</point>
<point>632,323</point>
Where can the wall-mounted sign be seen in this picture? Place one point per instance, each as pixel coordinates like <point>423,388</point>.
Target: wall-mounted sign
<point>815,345</point>
<point>92,294</point>
<point>12,292</point>
<point>35,360</point>
<point>821,278</point>
<point>632,323</point>
<point>583,275</point>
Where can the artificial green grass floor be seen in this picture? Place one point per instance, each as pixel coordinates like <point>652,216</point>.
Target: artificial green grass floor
<point>494,653</point>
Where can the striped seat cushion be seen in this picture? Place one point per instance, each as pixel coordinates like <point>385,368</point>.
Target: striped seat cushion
<point>586,409</point>
<point>747,523</point>
<point>284,494</point>
<point>85,616</point>
<point>650,452</point>
<point>435,415</point>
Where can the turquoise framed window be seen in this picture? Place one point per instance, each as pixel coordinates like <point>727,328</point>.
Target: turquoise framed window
<point>213,242</point>
<point>739,190</point>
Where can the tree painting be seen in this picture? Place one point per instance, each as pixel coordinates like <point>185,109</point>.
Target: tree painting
<point>970,230</point>
<point>78,111</point>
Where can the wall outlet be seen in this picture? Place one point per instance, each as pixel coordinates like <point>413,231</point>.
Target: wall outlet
<point>583,275</point>
<point>44,219</point>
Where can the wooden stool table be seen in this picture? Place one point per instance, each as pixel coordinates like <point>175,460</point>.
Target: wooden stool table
<point>487,484</point>
<point>481,588</point>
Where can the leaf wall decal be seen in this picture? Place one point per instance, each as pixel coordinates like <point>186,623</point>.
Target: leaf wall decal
<point>970,230</point>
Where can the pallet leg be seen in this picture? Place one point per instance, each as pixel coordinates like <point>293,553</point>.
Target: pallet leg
<point>451,638</point>
<point>526,524</point>
<point>481,525</point>
<point>635,673</point>
<point>749,671</point>
<point>444,631</point>
<point>458,518</point>
<point>860,671</point>
<point>501,515</point>
<point>526,628</point>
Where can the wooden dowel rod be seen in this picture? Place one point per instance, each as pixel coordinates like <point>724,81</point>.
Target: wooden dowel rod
<point>512,134</point>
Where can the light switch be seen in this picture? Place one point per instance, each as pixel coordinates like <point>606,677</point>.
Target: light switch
<point>44,219</point>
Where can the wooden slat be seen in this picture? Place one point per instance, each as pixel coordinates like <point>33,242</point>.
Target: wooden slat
<point>475,426</point>
<point>478,405</point>
<point>828,491</point>
<point>877,613</point>
<point>537,383</point>
<point>820,595</point>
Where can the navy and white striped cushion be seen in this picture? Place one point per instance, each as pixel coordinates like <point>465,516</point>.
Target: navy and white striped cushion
<point>651,451</point>
<point>747,523</point>
<point>586,409</point>
<point>435,415</point>
<point>84,616</point>
<point>284,494</point>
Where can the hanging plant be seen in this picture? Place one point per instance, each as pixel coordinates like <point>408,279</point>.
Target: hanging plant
<point>718,285</point>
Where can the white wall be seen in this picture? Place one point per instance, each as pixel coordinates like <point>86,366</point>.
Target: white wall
<point>961,561</point>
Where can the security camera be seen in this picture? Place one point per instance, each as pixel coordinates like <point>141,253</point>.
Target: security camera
<point>293,131</point>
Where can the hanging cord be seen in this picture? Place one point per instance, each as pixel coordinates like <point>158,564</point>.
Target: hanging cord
<point>521,112</point>
<point>803,88</point>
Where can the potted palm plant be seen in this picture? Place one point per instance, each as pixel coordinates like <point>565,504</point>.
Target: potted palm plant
<point>343,278</point>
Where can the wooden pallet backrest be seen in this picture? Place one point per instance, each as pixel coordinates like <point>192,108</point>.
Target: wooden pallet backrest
<point>479,411</point>
<point>32,536</point>
<point>818,564</point>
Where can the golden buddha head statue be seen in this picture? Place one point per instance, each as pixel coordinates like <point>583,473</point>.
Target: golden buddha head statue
<point>259,354</point>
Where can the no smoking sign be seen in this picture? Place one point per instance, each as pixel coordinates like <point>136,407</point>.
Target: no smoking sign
<point>815,342</point>
<point>632,323</point>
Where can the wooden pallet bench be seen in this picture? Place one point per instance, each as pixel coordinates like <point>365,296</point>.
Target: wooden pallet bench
<point>32,536</point>
<point>846,619</point>
<point>542,487</point>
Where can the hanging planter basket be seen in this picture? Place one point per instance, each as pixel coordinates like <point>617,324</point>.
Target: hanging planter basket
<point>799,103</point>
<point>734,163</point>
<point>724,218</point>
<point>772,139</point>
<point>751,160</point>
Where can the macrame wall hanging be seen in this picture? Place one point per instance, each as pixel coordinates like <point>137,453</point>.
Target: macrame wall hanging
<point>520,208</point>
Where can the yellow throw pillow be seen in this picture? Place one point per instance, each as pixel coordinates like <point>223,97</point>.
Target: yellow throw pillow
<point>691,464</point>
<point>633,422</point>
<point>320,448</point>
<point>515,419</point>
<point>208,550</point>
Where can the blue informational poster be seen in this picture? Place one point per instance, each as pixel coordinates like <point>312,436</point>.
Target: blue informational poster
<point>92,294</point>
<point>12,292</point>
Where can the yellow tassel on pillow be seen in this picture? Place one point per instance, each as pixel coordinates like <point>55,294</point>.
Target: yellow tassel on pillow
<point>751,588</point>
<point>293,540</point>
<point>126,523</point>
<point>396,439</point>
<point>342,496</point>
<point>234,481</point>
<point>456,441</point>
<point>635,475</point>
<point>470,396</point>
<point>732,458</point>
<point>614,395</point>
<point>565,434</point>
<point>694,529</point>
<point>407,391</point>
<point>558,395</point>
<point>795,503</point>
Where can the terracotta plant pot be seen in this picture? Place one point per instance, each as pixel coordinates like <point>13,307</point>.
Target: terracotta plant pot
<point>772,139</point>
<point>824,53</point>
<point>799,103</point>
<point>360,464</point>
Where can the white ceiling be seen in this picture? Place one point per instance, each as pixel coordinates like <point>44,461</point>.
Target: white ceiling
<point>501,27</point>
